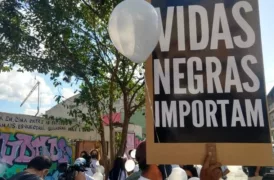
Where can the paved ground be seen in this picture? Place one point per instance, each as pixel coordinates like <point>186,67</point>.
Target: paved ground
<point>236,173</point>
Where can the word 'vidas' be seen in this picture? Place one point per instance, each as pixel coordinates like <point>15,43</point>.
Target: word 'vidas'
<point>220,27</point>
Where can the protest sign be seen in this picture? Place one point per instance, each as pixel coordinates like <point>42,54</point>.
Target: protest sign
<point>205,83</point>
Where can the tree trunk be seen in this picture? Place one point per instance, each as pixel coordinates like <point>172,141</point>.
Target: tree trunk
<point>104,149</point>
<point>111,136</point>
<point>111,101</point>
<point>122,148</point>
<point>111,142</point>
<point>127,116</point>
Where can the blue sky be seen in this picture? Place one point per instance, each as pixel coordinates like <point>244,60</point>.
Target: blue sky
<point>15,86</point>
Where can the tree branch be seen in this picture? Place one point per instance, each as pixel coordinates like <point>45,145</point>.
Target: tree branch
<point>136,83</point>
<point>135,92</point>
<point>93,10</point>
<point>132,73</point>
<point>137,106</point>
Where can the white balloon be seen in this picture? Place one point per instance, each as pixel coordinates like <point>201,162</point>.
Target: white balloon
<point>134,28</point>
<point>133,153</point>
<point>129,165</point>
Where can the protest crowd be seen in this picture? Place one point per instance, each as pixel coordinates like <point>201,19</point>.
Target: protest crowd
<point>203,82</point>
<point>87,167</point>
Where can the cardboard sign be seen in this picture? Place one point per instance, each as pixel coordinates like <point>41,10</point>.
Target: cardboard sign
<point>205,84</point>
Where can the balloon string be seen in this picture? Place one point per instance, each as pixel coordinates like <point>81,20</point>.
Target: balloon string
<point>151,108</point>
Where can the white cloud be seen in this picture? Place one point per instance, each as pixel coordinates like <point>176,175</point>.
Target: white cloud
<point>15,86</point>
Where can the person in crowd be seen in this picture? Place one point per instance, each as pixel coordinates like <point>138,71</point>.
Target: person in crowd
<point>83,154</point>
<point>76,171</point>
<point>255,172</point>
<point>37,169</point>
<point>190,170</point>
<point>99,175</point>
<point>177,173</point>
<point>94,160</point>
<point>149,171</point>
<point>60,170</point>
<point>118,172</point>
<point>152,172</point>
<point>88,169</point>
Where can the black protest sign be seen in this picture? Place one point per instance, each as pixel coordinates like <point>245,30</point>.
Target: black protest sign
<point>208,77</point>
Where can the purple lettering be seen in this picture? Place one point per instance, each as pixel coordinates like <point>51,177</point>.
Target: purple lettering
<point>14,146</point>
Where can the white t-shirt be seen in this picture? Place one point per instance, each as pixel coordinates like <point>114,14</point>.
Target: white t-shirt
<point>94,165</point>
<point>89,172</point>
<point>88,177</point>
<point>177,173</point>
<point>98,176</point>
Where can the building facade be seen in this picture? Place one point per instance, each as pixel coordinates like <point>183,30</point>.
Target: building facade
<point>270,100</point>
<point>62,111</point>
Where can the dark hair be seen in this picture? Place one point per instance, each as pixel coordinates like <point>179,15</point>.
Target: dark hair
<point>88,160</point>
<point>165,170</point>
<point>94,154</point>
<point>62,167</point>
<point>40,163</point>
<point>141,156</point>
<point>1,178</point>
<point>84,152</point>
<point>70,173</point>
<point>192,169</point>
<point>118,168</point>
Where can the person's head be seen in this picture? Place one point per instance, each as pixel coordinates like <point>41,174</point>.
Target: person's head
<point>62,167</point>
<point>80,162</point>
<point>40,165</point>
<point>87,158</point>
<point>73,170</point>
<point>83,154</point>
<point>162,171</point>
<point>141,156</point>
<point>94,154</point>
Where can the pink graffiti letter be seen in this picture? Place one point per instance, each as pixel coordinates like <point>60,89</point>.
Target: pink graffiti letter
<point>27,152</point>
<point>54,153</point>
<point>13,145</point>
<point>65,151</point>
<point>40,146</point>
